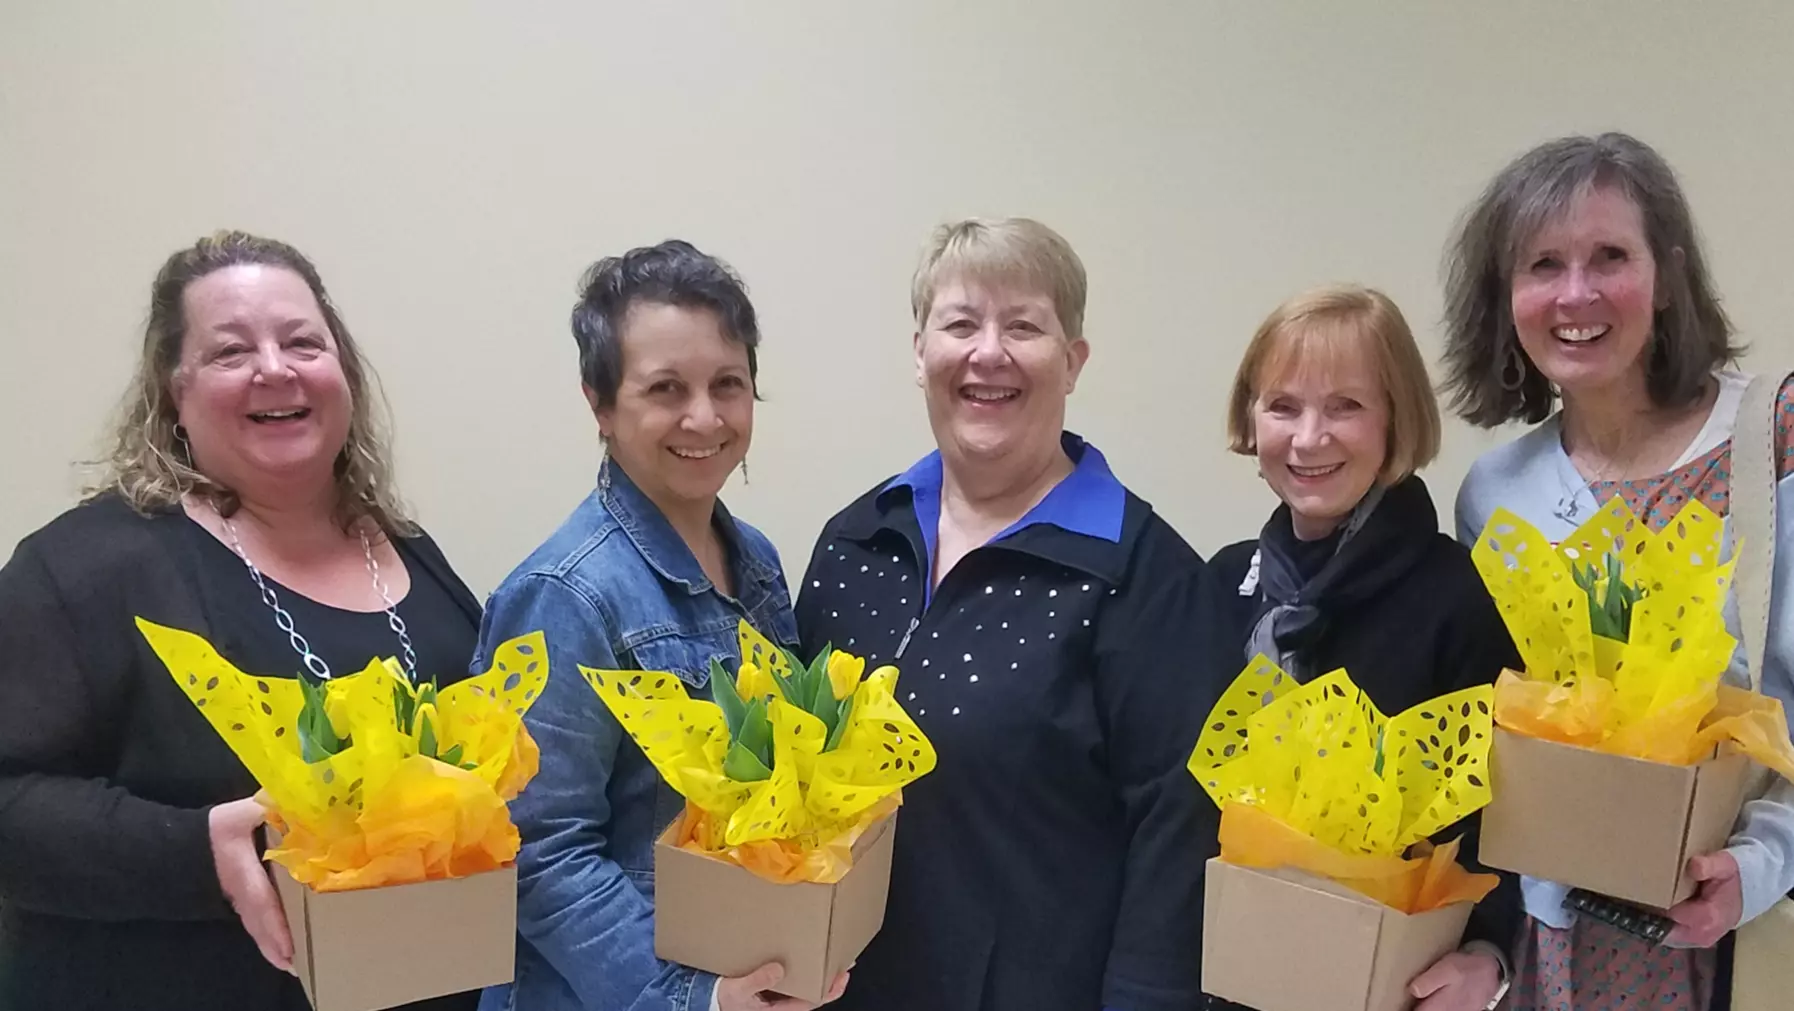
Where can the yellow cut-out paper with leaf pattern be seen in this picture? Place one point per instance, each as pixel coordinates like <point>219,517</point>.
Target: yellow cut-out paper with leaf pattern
<point>379,811</point>
<point>799,823</point>
<point>1336,788</point>
<point>1321,757</point>
<point>1656,694</point>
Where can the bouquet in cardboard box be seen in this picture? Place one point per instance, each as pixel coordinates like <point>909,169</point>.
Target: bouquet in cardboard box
<point>373,780</point>
<point>1313,777</point>
<point>789,763</point>
<point>1623,634</point>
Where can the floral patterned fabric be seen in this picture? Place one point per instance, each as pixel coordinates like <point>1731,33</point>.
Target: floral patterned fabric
<point>1595,967</point>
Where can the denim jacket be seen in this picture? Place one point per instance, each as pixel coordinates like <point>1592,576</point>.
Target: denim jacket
<point>613,588</point>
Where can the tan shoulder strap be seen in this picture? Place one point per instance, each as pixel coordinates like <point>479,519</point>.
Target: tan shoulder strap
<point>1753,514</point>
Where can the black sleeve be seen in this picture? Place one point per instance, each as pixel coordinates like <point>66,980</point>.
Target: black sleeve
<point>1150,691</point>
<point>1230,622</point>
<point>71,844</point>
<point>1474,650</point>
<point>1476,646</point>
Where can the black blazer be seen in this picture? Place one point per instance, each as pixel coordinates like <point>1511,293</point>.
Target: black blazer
<point>108,896</point>
<point>1053,859</point>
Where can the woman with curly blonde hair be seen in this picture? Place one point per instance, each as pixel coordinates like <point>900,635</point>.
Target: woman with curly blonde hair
<point>248,498</point>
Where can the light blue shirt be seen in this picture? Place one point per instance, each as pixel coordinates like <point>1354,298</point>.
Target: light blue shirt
<point>1534,478</point>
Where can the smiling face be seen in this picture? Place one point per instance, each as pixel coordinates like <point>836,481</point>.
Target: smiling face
<point>683,414</point>
<point>996,366</point>
<point>1584,294</point>
<point>260,387</point>
<point>1321,424</point>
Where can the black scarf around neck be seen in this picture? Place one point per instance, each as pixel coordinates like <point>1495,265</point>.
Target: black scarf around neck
<point>1381,543</point>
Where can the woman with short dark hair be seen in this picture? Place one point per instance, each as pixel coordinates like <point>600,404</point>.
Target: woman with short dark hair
<point>650,572</point>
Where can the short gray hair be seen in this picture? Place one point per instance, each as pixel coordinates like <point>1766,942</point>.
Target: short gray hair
<point>1691,336</point>
<point>1015,250</point>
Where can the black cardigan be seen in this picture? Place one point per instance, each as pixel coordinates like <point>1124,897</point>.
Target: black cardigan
<point>108,895</point>
<point>1053,859</point>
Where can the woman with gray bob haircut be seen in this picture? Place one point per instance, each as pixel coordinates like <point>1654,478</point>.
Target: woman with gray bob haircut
<point>1691,336</point>
<point>1577,282</point>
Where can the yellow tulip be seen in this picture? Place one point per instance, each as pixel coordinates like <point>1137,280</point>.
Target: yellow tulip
<point>337,703</point>
<point>844,670</point>
<point>752,683</point>
<point>343,696</point>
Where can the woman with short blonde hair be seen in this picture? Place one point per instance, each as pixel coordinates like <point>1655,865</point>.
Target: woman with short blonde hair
<point>1019,251</point>
<point>1036,608</point>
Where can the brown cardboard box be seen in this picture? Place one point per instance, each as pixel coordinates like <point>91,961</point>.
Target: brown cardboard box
<point>1617,826</point>
<point>715,916</point>
<point>343,944</point>
<point>1285,940</point>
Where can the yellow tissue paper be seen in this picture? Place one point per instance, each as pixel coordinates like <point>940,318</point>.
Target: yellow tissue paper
<point>799,822</point>
<point>1645,687</point>
<point>1314,777</point>
<point>382,810</point>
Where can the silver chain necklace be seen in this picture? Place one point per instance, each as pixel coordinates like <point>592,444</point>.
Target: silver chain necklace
<point>313,662</point>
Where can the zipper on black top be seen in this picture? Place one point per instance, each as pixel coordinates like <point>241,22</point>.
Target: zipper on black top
<point>903,645</point>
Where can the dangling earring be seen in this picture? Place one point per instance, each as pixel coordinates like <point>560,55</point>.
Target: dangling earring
<point>1516,366</point>
<point>604,465</point>
<point>744,473</point>
<point>186,454</point>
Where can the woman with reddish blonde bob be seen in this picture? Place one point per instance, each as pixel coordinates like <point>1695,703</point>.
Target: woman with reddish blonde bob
<point>1332,399</point>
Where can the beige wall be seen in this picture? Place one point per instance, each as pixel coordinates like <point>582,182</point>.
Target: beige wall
<point>453,166</point>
